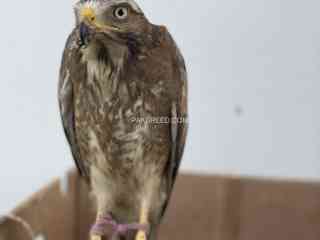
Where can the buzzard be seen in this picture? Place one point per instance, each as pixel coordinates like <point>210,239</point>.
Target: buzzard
<point>123,102</point>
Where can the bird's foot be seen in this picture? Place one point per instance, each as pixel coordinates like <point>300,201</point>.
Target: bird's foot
<point>141,236</point>
<point>95,237</point>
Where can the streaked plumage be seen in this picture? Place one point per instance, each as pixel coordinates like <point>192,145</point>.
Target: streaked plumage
<point>117,91</point>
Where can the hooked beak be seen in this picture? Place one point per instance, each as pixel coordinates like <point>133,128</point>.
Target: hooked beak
<point>84,34</point>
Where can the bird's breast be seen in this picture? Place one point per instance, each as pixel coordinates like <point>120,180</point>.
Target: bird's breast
<point>112,113</point>
<point>112,129</point>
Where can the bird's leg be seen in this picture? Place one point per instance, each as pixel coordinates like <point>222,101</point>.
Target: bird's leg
<point>95,235</point>
<point>143,219</point>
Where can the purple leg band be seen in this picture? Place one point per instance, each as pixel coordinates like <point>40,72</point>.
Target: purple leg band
<point>99,228</point>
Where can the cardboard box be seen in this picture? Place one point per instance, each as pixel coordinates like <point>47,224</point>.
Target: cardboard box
<point>202,207</point>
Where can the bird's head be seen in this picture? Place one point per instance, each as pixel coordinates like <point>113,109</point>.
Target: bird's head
<point>119,20</point>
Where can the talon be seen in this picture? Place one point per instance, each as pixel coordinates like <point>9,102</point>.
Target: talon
<point>141,236</point>
<point>95,237</point>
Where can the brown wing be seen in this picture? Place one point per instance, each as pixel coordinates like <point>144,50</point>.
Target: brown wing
<point>71,71</point>
<point>179,115</point>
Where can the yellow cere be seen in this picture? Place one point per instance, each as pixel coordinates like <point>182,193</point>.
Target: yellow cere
<point>88,13</point>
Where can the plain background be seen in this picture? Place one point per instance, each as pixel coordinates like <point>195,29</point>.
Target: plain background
<point>254,88</point>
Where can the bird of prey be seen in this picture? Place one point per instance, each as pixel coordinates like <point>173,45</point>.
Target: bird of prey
<point>123,102</point>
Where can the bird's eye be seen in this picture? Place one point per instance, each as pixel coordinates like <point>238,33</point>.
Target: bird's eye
<point>121,13</point>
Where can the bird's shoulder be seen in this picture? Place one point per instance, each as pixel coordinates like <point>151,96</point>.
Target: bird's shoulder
<point>165,62</point>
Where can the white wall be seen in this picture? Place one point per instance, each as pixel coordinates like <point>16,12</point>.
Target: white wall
<point>257,58</point>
